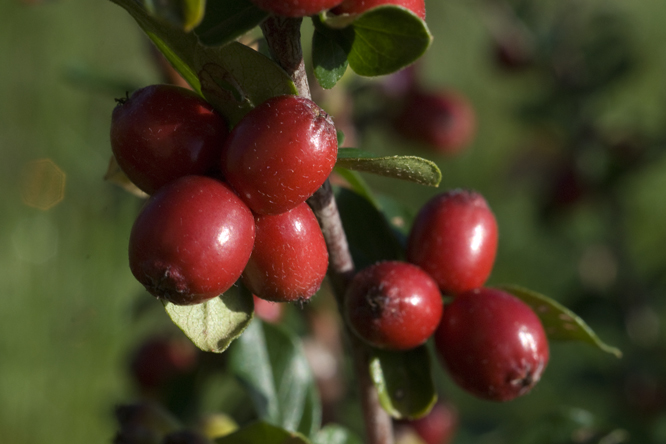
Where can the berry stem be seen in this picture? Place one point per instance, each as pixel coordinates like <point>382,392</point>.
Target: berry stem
<point>283,36</point>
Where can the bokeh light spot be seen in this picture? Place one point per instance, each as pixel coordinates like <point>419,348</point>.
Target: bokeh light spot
<point>42,184</point>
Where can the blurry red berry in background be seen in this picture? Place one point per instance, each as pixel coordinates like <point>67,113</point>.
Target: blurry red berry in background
<point>160,359</point>
<point>438,426</point>
<point>268,311</point>
<point>442,120</point>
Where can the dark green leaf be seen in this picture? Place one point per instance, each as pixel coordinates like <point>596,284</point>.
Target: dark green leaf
<point>226,20</point>
<point>399,215</point>
<point>214,324</point>
<point>380,41</point>
<point>250,76</point>
<point>328,58</point>
<point>560,323</point>
<point>370,237</point>
<point>411,168</point>
<point>263,433</point>
<point>358,184</point>
<point>270,362</point>
<point>404,382</point>
<point>184,14</point>
<point>335,434</point>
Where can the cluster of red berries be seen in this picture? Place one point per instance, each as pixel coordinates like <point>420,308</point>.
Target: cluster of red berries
<point>492,343</point>
<point>304,8</point>
<point>224,204</point>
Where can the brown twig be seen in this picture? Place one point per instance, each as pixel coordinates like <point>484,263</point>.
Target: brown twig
<point>283,37</point>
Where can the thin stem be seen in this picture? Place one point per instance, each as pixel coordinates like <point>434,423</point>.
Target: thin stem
<point>283,36</point>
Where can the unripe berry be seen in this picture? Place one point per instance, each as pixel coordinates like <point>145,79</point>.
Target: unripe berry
<point>444,121</point>
<point>289,259</point>
<point>295,8</point>
<point>191,241</point>
<point>492,344</point>
<point>393,305</point>
<point>280,153</point>
<point>163,132</point>
<point>360,6</point>
<point>454,239</point>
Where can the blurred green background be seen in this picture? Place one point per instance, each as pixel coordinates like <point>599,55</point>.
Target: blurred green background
<point>66,318</point>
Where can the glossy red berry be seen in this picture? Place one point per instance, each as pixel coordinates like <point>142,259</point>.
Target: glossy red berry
<point>438,426</point>
<point>492,344</point>
<point>161,359</point>
<point>163,132</point>
<point>454,239</point>
<point>360,6</point>
<point>295,8</point>
<point>280,153</point>
<point>289,259</point>
<point>444,121</point>
<point>393,305</point>
<point>191,241</point>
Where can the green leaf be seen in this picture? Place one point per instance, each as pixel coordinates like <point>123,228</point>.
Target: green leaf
<point>214,324</point>
<point>411,168</point>
<point>226,20</point>
<point>380,41</point>
<point>358,184</point>
<point>399,215</point>
<point>264,433</point>
<point>335,434</point>
<point>371,238</point>
<point>560,323</point>
<point>328,58</point>
<point>184,14</point>
<point>404,382</point>
<point>240,79</point>
<point>270,362</point>
<point>254,77</point>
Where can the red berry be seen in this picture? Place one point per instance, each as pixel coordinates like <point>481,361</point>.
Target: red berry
<point>438,426</point>
<point>163,132</point>
<point>454,239</point>
<point>160,359</point>
<point>295,8</point>
<point>360,6</point>
<point>280,153</point>
<point>444,120</point>
<point>191,241</point>
<point>267,311</point>
<point>492,344</point>
<point>393,305</point>
<point>289,259</point>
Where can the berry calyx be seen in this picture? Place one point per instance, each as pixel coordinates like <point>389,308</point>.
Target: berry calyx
<point>393,305</point>
<point>295,8</point>
<point>492,344</point>
<point>454,239</point>
<point>360,6</point>
<point>280,153</point>
<point>289,259</point>
<point>444,120</point>
<point>191,241</point>
<point>163,132</point>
